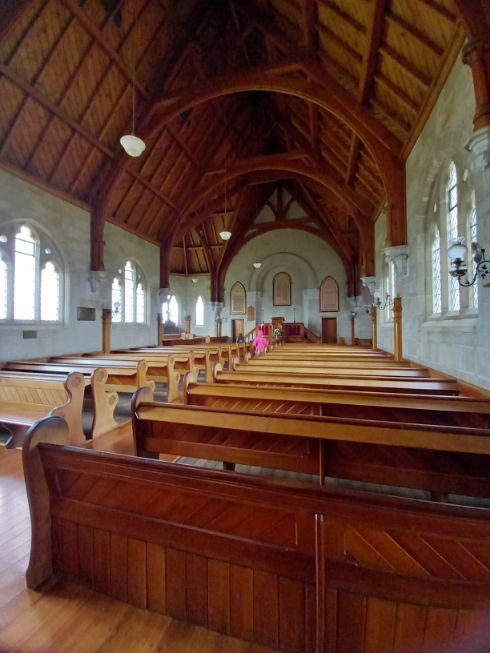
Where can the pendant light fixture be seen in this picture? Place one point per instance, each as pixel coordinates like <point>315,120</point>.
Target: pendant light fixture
<point>132,144</point>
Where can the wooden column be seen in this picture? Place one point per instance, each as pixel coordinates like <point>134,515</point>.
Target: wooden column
<point>218,328</point>
<point>476,54</point>
<point>160,328</point>
<point>106,330</point>
<point>374,327</point>
<point>353,328</point>
<point>397,328</point>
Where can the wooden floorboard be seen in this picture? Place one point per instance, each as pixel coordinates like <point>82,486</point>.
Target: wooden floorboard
<point>72,619</point>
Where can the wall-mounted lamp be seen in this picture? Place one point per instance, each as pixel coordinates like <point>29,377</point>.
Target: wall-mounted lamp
<point>388,302</point>
<point>457,255</point>
<point>225,235</point>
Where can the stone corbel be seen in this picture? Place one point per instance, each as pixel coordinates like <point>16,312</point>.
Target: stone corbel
<point>369,283</point>
<point>163,294</point>
<point>479,146</point>
<point>399,255</point>
<point>96,279</point>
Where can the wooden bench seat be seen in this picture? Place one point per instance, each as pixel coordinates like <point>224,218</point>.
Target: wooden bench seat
<point>320,381</point>
<point>26,399</point>
<point>413,408</point>
<point>232,552</point>
<point>267,367</point>
<point>435,458</point>
<point>167,369</point>
<point>121,376</point>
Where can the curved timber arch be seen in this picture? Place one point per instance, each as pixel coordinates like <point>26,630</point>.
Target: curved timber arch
<point>287,163</point>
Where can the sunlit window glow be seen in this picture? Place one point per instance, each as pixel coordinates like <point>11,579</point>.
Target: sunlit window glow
<point>140,303</point>
<point>452,232</point>
<point>170,310</point>
<point>116,300</point>
<point>199,312</point>
<point>436,272</point>
<point>25,276</point>
<point>129,288</point>
<point>473,238</point>
<point>50,293</point>
<point>3,289</point>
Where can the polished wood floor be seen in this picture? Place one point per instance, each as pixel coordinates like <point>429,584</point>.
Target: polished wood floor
<point>72,619</point>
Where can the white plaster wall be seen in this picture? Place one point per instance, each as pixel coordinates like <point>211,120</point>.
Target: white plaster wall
<point>308,260</point>
<point>68,227</point>
<point>455,343</point>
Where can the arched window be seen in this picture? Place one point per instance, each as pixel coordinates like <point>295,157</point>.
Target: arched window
<point>390,289</point>
<point>329,295</point>
<point>25,275</point>
<point>281,286</point>
<point>473,238</point>
<point>3,289</point>
<point>199,312</point>
<point>116,300</point>
<point>436,271</point>
<point>129,295</point>
<point>238,298</point>
<point>452,231</point>
<point>170,310</point>
<point>50,292</point>
<point>31,276</point>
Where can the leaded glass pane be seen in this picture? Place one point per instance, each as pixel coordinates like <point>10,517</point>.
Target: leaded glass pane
<point>473,238</point>
<point>436,273</point>
<point>140,303</point>
<point>129,289</point>
<point>3,289</point>
<point>452,232</point>
<point>50,293</point>
<point>25,276</point>
<point>199,312</point>
<point>116,301</point>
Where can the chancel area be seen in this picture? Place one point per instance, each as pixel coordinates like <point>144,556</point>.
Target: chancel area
<point>245,326</point>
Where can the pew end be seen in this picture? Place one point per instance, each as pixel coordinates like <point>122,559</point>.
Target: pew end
<point>51,430</point>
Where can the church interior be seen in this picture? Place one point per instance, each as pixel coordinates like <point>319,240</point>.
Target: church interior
<point>244,349</point>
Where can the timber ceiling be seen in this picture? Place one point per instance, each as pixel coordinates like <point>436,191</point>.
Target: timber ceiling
<point>66,98</point>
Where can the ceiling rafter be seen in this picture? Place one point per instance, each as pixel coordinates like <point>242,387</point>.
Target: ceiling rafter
<point>12,11</point>
<point>403,25</point>
<point>347,18</point>
<point>374,35</point>
<point>97,34</point>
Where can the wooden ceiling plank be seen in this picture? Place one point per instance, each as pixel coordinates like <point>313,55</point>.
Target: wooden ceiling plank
<point>441,10</point>
<point>398,93</point>
<point>407,28</point>
<point>343,15</point>
<point>98,36</point>
<point>373,40</point>
<point>183,146</point>
<point>12,11</point>
<point>72,78</point>
<point>53,49</point>
<point>39,97</point>
<point>352,52</point>
<point>407,67</point>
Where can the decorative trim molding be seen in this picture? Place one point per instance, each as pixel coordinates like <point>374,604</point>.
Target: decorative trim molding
<point>479,146</point>
<point>399,255</point>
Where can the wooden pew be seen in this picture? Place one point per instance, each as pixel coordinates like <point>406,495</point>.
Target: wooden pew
<point>354,371</point>
<point>168,369</point>
<point>420,409</point>
<point>122,376</point>
<point>204,358</point>
<point>434,458</point>
<point>21,392</point>
<point>321,381</point>
<point>285,566</point>
<point>24,399</point>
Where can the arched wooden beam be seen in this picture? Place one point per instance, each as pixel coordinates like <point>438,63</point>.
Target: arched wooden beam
<point>326,93</point>
<point>217,281</point>
<point>287,163</point>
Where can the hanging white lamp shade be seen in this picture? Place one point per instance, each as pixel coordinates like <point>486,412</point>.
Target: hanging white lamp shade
<point>225,235</point>
<point>132,145</point>
<point>257,264</point>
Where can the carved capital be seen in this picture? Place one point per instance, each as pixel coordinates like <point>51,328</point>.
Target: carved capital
<point>96,279</point>
<point>369,283</point>
<point>475,50</point>
<point>163,294</point>
<point>479,146</point>
<point>399,256</point>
